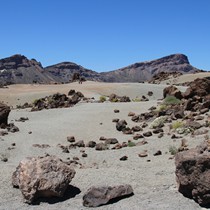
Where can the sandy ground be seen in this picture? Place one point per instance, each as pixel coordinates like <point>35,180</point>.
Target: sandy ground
<point>153,182</point>
<point>21,93</point>
<point>186,78</point>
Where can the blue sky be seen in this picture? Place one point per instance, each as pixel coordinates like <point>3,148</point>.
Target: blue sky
<point>105,34</point>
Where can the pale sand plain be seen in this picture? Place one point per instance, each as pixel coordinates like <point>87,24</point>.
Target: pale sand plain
<point>153,182</point>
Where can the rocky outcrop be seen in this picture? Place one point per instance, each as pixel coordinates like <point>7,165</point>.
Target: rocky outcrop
<point>57,101</point>
<point>157,78</point>
<point>199,87</point>
<point>97,196</point>
<point>42,177</point>
<point>4,113</point>
<point>193,173</point>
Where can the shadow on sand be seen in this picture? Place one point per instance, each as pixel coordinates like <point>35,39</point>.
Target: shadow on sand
<point>71,192</point>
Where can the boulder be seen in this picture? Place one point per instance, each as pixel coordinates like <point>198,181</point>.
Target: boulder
<point>199,87</point>
<point>111,141</point>
<point>91,144</point>
<point>4,113</point>
<point>42,177</point>
<point>147,134</point>
<point>172,91</point>
<point>121,125</point>
<point>71,92</point>
<point>97,196</point>
<point>101,146</point>
<point>193,173</point>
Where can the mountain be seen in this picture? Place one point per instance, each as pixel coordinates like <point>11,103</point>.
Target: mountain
<point>19,69</point>
<point>144,71</point>
<point>63,72</point>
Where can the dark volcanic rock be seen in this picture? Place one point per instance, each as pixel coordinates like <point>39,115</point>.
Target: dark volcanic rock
<point>4,113</point>
<point>101,146</point>
<point>42,177</point>
<point>96,196</point>
<point>193,173</point>
<point>172,91</point>
<point>91,144</point>
<point>199,87</point>
<point>121,125</point>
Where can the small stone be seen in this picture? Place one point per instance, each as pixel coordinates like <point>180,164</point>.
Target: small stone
<point>101,146</point>
<point>80,143</point>
<point>123,158</point>
<point>4,159</point>
<point>71,139</point>
<point>116,111</point>
<point>111,141</point>
<point>160,135</point>
<point>138,136</point>
<point>84,155</point>
<point>115,120</point>
<point>158,130</point>
<point>91,144</point>
<point>102,138</point>
<point>144,125</point>
<point>131,114</point>
<point>143,154</point>
<point>30,132</point>
<point>157,153</point>
<point>147,134</point>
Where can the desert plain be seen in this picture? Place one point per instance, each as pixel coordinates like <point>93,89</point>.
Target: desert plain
<point>152,177</point>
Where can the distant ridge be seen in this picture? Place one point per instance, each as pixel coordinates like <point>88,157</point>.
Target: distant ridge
<point>19,69</point>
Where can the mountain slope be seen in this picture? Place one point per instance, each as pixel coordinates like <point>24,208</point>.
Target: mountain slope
<point>19,69</point>
<point>63,72</point>
<point>146,70</point>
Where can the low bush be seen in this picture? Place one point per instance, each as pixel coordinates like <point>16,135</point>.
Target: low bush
<point>171,100</point>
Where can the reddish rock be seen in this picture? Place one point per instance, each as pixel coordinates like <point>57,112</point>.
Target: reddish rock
<point>193,173</point>
<point>42,177</point>
<point>199,87</point>
<point>97,196</point>
<point>172,91</point>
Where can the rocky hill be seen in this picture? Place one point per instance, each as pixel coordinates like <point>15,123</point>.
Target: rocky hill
<point>144,71</point>
<point>63,72</point>
<point>19,69</point>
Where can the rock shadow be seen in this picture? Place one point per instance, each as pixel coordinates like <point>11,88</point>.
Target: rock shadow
<point>71,192</point>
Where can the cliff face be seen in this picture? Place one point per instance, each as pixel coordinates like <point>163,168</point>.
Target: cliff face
<point>19,69</point>
<point>146,70</point>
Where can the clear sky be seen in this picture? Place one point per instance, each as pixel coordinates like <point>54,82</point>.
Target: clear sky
<point>105,34</point>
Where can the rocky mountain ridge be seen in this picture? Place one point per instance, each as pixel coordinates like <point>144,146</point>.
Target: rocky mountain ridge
<point>19,69</point>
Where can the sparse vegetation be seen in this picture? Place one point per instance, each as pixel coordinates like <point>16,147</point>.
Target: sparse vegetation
<point>171,100</point>
<point>131,144</point>
<point>177,124</point>
<point>173,150</point>
<point>102,99</point>
<point>114,100</point>
<point>162,107</point>
<point>136,99</point>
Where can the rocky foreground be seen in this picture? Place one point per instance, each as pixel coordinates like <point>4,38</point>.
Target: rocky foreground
<point>114,153</point>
